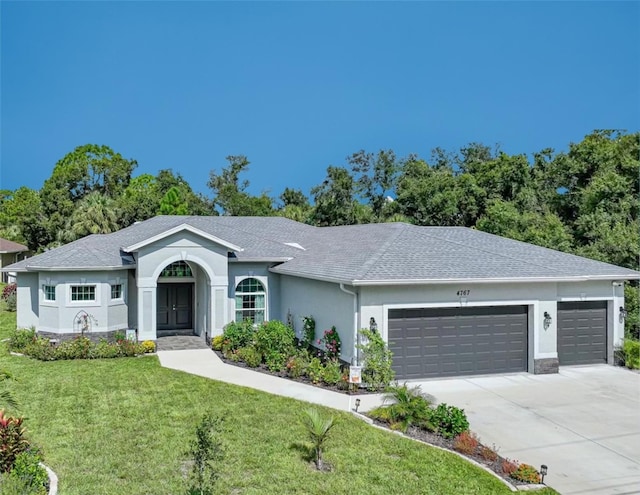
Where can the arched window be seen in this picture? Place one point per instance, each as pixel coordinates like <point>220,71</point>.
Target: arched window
<point>250,301</point>
<point>177,269</point>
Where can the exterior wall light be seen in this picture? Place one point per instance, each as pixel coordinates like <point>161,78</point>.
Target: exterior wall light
<point>547,320</point>
<point>543,471</point>
<point>623,313</point>
<point>357,404</point>
<point>373,326</point>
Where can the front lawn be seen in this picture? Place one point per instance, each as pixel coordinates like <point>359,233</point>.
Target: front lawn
<point>120,426</point>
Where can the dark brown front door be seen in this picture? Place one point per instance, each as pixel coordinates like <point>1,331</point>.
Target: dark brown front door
<point>175,307</point>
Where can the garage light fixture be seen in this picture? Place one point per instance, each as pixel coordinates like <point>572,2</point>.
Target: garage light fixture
<point>547,320</point>
<point>623,313</point>
<point>543,471</point>
<point>373,326</point>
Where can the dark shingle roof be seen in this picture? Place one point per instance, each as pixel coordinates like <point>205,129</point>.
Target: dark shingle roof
<point>360,254</point>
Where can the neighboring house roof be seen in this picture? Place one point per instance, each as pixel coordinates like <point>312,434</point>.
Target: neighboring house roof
<point>11,247</point>
<point>371,254</point>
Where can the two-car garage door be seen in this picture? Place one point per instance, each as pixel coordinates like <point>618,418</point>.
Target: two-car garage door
<point>440,342</point>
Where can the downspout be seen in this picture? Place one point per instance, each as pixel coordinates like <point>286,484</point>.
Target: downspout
<point>355,350</point>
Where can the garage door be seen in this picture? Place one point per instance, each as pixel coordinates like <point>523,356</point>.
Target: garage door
<point>582,332</point>
<point>440,342</point>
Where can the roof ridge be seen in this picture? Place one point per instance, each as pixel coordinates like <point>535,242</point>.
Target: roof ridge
<point>366,267</point>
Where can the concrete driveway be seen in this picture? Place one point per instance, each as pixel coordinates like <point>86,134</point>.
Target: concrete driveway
<point>584,423</point>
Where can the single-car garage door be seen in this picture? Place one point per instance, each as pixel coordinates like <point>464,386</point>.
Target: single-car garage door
<point>582,332</point>
<point>436,342</point>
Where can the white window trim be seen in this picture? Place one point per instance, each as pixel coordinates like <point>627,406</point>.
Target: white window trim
<point>94,303</point>
<point>264,281</point>
<point>49,302</point>
<point>118,300</point>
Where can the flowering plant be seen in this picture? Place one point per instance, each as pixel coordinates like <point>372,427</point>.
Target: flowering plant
<point>332,343</point>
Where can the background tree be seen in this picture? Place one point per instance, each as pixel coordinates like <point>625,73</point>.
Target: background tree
<point>230,194</point>
<point>335,200</point>
<point>295,206</point>
<point>89,168</point>
<point>375,177</point>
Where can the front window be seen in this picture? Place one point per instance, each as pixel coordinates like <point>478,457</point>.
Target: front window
<point>250,301</point>
<point>177,269</point>
<point>83,292</point>
<point>49,292</point>
<point>116,291</point>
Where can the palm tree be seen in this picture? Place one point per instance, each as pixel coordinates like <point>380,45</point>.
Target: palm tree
<point>94,214</point>
<point>318,429</point>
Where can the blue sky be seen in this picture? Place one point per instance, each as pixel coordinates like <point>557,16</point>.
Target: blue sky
<point>298,86</point>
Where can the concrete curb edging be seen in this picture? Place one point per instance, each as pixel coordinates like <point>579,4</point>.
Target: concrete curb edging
<point>513,488</point>
<point>53,480</point>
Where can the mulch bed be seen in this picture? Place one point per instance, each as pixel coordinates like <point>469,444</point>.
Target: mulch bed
<point>303,379</point>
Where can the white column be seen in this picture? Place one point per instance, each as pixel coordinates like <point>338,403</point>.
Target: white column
<point>147,313</point>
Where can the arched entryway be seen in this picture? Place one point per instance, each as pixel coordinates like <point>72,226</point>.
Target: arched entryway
<point>175,302</point>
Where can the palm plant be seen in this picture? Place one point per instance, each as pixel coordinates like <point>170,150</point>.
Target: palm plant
<point>408,406</point>
<point>7,399</point>
<point>318,428</point>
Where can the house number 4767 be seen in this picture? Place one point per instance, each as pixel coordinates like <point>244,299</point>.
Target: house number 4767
<point>464,292</point>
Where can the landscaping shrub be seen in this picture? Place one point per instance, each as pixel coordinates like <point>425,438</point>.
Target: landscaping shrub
<point>104,350</point>
<point>78,348</point>
<point>376,373</point>
<point>309,329</point>
<point>30,344</point>
<point>332,343</point>
<point>509,467</point>
<point>21,338</point>
<point>206,451</point>
<point>274,337</point>
<point>8,291</point>
<point>10,296</point>
<point>41,349</point>
<point>119,336</point>
<point>297,365</point>
<point>315,370</point>
<point>148,346</point>
<point>217,342</point>
<point>12,441</point>
<point>526,473</point>
<point>332,372</point>
<point>449,421</point>
<point>250,356</point>
<point>466,443</point>
<point>488,454</point>
<point>274,340</point>
<point>237,335</point>
<point>629,354</point>
<point>28,473</point>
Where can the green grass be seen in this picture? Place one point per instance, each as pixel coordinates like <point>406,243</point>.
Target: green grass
<point>121,426</point>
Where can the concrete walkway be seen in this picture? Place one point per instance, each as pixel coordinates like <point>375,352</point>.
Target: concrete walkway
<point>206,363</point>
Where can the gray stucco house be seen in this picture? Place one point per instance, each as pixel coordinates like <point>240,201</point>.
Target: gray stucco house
<point>448,300</point>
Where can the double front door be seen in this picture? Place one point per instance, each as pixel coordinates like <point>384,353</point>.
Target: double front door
<point>175,307</point>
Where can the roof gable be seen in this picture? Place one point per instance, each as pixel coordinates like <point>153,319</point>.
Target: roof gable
<point>181,228</point>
